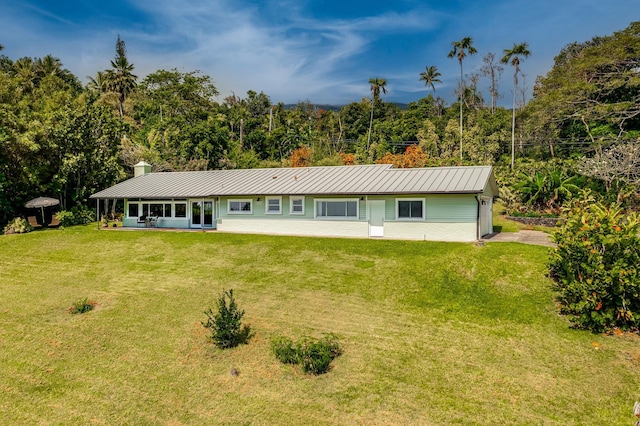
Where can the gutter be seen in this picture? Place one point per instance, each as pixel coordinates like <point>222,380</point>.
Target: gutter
<point>478,198</point>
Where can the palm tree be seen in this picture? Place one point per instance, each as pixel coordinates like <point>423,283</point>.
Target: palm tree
<point>377,85</point>
<point>430,76</point>
<point>24,69</point>
<point>99,83</point>
<point>120,79</point>
<point>513,56</point>
<point>48,66</point>
<point>460,50</point>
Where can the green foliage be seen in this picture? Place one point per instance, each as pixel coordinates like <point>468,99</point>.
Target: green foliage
<point>314,355</point>
<point>596,266</point>
<point>591,92</point>
<point>81,306</point>
<point>18,225</point>
<point>225,325</point>
<point>285,350</point>
<point>78,215</point>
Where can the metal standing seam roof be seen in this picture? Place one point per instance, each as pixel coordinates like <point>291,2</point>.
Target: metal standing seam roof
<point>377,179</point>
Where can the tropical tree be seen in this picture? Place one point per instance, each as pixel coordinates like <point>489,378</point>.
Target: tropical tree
<point>460,50</point>
<point>494,71</point>
<point>513,56</point>
<point>120,79</point>
<point>430,76</point>
<point>99,83</point>
<point>377,85</point>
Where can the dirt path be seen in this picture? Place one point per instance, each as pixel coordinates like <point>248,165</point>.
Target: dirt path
<point>525,236</point>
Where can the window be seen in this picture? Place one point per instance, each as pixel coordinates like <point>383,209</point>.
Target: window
<point>181,209</point>
<point>240,207</point>
<point>156,209</point>
<point>297,205</point>
<point>337,209</point>
<point>273,205</point>
<point>133,210</point>
<point>410,209</point>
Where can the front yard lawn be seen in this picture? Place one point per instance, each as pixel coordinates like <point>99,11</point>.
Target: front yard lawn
<point>432,333</point>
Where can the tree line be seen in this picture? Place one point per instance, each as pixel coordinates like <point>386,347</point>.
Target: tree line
<point>63,139</point>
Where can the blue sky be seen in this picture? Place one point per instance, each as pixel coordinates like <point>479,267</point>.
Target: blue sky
<point>324,51</point>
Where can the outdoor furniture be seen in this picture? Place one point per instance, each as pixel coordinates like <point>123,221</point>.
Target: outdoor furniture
<point>33,222</point>
<point>142,220</point>
<point>42,203</point>
<point>152,221</point>
<point>54,222</point>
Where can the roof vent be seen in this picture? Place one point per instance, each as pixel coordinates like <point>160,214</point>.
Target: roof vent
<point>141,168</point>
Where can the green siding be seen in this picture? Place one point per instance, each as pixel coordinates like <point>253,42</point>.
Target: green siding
<point>452,208</point>
<point>439,208</point>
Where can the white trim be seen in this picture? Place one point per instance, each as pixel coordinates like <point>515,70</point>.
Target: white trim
<point>411,219</point>
<point>266,205</point>
<point>330,200</point>
<point>243,200</point>
<point>296,198</point>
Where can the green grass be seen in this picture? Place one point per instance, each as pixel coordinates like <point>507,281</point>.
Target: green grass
<point>432,333</point>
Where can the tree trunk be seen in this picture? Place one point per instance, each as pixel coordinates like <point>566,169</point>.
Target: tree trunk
<point>370,124</point>
<point>461,95</point>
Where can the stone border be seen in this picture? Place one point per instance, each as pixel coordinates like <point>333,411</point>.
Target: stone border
<point>536,221</point>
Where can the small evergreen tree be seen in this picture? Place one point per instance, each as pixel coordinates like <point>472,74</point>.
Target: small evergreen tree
<point>225,325</point>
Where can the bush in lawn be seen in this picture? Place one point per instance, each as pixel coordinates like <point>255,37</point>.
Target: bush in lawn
<point>285,350</point>
<point>225,325</point>
<point>315,355</point>
<point>81,306</point>
<point>596,266</point>
<point>17,226</point>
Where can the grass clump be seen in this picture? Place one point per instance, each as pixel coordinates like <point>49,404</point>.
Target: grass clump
<point>225,325</point>
<point>314,355</point>
<point>81,306</point>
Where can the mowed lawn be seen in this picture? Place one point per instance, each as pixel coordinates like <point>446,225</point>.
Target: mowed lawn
<point>433,333</point>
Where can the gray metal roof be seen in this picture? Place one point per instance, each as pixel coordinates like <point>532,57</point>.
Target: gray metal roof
<point>330,180</point>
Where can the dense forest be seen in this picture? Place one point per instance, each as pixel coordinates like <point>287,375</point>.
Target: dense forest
<point>580,130</point>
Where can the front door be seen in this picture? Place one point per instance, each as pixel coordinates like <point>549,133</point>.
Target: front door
<point>376,218</point>
<point>202,214</point>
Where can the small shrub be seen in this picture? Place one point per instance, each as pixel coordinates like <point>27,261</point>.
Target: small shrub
<point>596,267</point>
<point>225,325</point>
<point>314,355</point>
<point>78,215</point>
<point>18,226</point>
<point>81,306</point>
<point>284,350</point>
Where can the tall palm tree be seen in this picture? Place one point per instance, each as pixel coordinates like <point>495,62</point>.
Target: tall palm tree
<point>460,50</point>
<point>120,79</point>
<point>430,76</point>
<point>377,85</point>
<point>513,56</point>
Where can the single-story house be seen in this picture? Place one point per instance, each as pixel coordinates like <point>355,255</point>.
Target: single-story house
<point>437,203</point>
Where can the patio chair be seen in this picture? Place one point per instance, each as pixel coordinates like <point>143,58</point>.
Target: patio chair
<point>34,222</point>
<point>54,222</point>
<point>142,220</point>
